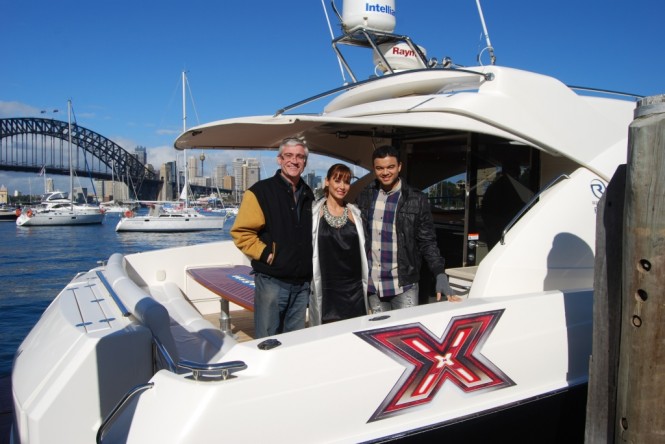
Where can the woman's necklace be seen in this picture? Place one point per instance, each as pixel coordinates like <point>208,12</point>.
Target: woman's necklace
<point>335,221</point>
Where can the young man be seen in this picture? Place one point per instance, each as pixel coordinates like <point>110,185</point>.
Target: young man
<point>274,228</point>
<point>400,233</point>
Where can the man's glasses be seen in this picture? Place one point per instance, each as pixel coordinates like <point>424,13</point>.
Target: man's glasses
<point>290,157</point>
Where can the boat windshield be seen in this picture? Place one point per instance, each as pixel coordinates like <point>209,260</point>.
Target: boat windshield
<point>476,186</point>
<point>58,195</point>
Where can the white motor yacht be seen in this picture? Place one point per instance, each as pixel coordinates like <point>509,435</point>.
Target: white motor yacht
<point>139,356</point>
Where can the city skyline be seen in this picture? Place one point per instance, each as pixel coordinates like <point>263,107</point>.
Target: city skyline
<point>34,182</point>
<point>136,98</point>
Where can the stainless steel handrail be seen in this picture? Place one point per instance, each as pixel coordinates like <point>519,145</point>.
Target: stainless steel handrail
<point>216,370</point>
<point>528,205</point>
<point>128,396</point>
<point>124,310</point>
<point>220,370</point>
<point>159,348</point>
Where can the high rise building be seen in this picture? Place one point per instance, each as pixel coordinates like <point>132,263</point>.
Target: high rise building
<point>252,172</point>
<point>228,183</point>
<point>309,179</point>
<point>220,173</point>
<point>192,171</point>
<point>141,154</point>
<point>313,180</point>
<point>108,190</point>
<point>238,177</point>
<point>167,175</point>
<point>246,172</point>
<point>4,196</point>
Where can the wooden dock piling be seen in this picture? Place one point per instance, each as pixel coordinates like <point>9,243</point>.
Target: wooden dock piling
<point>627,369</point>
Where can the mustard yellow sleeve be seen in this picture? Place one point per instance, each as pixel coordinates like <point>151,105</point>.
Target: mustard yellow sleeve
<point>245,230</point>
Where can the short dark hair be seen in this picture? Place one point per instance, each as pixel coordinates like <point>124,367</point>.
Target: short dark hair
<point>339,170</point>
<point>385,151</point>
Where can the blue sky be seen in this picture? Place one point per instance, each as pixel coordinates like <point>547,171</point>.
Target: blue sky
<point>120,61</point>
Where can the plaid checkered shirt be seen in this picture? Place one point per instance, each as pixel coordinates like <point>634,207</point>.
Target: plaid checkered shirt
<point>383,243</point>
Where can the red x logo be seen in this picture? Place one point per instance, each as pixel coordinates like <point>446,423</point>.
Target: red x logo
<point>431,361</point>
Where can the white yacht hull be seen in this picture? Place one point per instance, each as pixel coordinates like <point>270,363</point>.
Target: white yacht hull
<point>61,216</point>
<point>340,382</point>
<point>171,222</point>
<point>125,355</point>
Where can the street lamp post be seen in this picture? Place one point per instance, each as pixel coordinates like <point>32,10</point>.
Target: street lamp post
<point>52,112</point>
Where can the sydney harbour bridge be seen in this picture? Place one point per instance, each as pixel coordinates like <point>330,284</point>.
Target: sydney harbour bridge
<point>30,144</point>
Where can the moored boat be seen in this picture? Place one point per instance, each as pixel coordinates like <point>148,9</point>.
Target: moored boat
<point>180,217</point>
<point>60,214</point>
<point>57,207</point>
<point>117,208</point>
<point>9,214</point>
<point>138,360</point>
<point>158,220</point>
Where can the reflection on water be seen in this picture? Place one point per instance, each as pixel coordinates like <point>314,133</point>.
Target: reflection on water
<point>37,262</point>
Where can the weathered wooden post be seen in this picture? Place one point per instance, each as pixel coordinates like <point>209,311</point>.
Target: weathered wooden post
<point>641,383</point>
<point>603,366</point>
<point>627,369</point>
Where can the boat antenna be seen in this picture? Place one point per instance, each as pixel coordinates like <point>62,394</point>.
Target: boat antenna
<point>489,47</point>
<point>332,35</point>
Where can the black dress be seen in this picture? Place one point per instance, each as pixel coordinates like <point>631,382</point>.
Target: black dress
<point>341,272</point>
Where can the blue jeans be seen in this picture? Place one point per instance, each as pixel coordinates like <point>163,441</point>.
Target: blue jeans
<point>403,300</point>
<point>279,306</point>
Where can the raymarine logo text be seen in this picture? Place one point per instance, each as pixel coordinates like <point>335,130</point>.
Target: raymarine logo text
<point>403,52</point>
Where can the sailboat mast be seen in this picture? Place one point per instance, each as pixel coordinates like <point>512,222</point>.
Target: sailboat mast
<point>184,104</point>
<point>184,128</point>
<point>71,167</point>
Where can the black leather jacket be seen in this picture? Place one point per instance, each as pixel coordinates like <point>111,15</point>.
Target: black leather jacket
<point>269,221</point>
<point>416,238</point>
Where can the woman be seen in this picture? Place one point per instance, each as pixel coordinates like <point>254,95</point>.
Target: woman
<point>339,287</point>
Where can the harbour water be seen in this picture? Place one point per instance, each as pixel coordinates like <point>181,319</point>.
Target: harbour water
<point>37,262</point>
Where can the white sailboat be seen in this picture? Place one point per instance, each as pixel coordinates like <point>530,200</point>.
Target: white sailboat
<point>180,218</point>
<point>145,363</point>
<point>58,208</point>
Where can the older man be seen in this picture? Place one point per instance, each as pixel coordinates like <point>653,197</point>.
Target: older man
<point>274,228</point>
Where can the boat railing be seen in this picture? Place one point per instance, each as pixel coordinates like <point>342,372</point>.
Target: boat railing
<point>199,370</point>
<point>372,39</point>
<point>119,407</point>
<point>529,204</point>
<point>163,359</point>
<point>132,300</point>
<point>346,87</point>
<point>121,306</point>
<point>604,92</point>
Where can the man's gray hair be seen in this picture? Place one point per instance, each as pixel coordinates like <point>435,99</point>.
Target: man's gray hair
<point>293,141</point>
